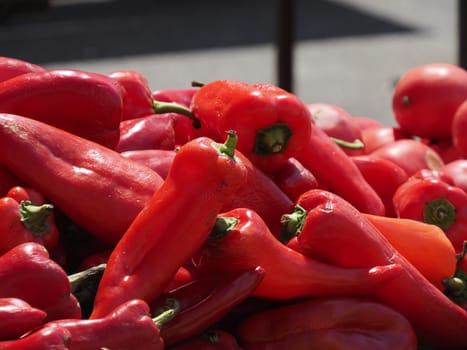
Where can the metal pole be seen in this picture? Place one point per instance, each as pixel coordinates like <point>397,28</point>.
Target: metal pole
<point>285,43</point>
<point>462,33</point>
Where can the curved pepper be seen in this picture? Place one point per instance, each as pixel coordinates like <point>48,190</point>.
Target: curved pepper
<point>173,224</point>
<point>241,240</point>
<point>340,323</point>
<point>336,171</point>
<point>84,103</point>
<point>434,202</point>
<point>128,327</point>
<point>193,319</point>
<point>45,339</point>
<point>341,235</point>
<point>94,186</point>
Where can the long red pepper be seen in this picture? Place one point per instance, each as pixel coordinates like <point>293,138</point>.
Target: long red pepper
<point>341,235</point>
<point>339,323</point>
<point>337,172</point>
<point>128,327</point>
<point>84,103</point>
<point>173,225</point>
<point>93,185</point>
<point>200,316</point>
<point>56,338</point>
<point>241,240</point>
<point>18,317</point>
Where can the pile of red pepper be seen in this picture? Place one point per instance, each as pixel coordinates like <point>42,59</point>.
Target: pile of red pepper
<point>229,215</point>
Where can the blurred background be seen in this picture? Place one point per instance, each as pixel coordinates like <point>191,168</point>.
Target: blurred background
<point>346,52</point>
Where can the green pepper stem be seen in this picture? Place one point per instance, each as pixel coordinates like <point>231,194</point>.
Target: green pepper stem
<point>160,107</point>
<point>292,223</point>
<point>273,139</point>
<point>228,147</point>
<point>35,217</point>
<point>78,278</point>
<point>167,313</point>
<point>356,144</point>
<point>440,212</point>
<point>222,226</point>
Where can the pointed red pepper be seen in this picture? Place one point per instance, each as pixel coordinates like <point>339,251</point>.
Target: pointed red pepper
<point>341,235</point>
<point>93,185</point>
<point>55,338</point>
<point>208,173</point>
<point>241,240</point>
<point>128,327</point>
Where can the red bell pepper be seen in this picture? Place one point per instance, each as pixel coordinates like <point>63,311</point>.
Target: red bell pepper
<point>45,339</point>
<point>11,67</point>
<point>158,160</point>
<point>383,176</point>
<point>94,186</point>
<point>127,327</point>
<point>28,273</point>
<point>137,98</point>
<point>241,240</point>
<point>272,124</point>
<point>17,317</point>
<point>216,339</point>
<point>83,103</point>
<point>434,202</point>
<point>154,131</point>
<point>341,235</point>
<point>197,317</point>
<point>157,237</point>
<point>340,323</point>
<point>335,170</point>
<point>411,155</point>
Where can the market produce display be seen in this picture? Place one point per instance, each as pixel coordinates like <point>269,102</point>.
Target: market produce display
<point>229,215</point>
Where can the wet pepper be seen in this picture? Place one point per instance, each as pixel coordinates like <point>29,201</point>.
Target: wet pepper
<point>434,202</point>
<point>173,224</point>
<point>241,240</point>
<point>93,185</point>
